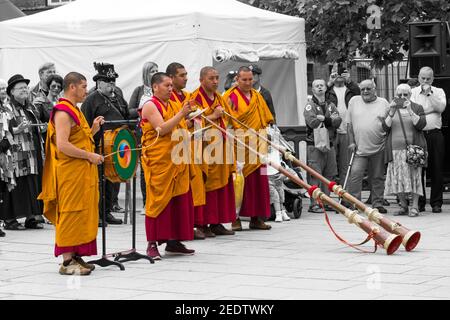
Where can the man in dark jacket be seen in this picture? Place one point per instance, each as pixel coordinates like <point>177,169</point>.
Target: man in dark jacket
<point>256,70</point>
<point>105,101</point>
<point>340,90</point>
<point>321,113</point>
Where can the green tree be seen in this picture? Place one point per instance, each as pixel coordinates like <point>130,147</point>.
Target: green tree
<point>335,30</point>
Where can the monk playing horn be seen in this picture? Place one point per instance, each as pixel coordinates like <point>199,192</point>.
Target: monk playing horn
<point>169,208</point>
<point>220,204</point>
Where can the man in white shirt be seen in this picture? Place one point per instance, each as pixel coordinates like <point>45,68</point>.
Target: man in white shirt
<point>433,101</point>
<point>366,135</point>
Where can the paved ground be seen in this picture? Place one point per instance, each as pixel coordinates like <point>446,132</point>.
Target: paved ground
<point>299,259</point>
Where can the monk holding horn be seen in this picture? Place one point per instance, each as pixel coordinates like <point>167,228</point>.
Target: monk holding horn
<point>169,206</point>
<point>250,109</point>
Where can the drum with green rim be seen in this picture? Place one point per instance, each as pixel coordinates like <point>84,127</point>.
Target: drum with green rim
<point>121,166</point>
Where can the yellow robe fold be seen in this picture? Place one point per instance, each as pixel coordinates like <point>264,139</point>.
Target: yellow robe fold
<point>255,114</point>
<point>70,186</point>
<point>164,179</point>
<point>218,174</point>
<point>199,170</point>
<point>177,102</point>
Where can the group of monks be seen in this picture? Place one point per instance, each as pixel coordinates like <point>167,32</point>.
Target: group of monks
<point>183,197</point>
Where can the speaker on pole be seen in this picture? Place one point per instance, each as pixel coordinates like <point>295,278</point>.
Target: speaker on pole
<point>429,46</point>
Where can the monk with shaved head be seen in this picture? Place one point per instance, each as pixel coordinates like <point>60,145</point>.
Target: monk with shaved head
<point>249,107</point>
<point>220,205</point>
<point>70,179</point>
<point>169,208</point>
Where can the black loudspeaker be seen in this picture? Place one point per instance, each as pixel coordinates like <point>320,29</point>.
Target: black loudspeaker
<point>429,47</point>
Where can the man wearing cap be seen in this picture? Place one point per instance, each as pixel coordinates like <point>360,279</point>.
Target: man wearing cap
<point>27,155</point>
<point>230,80</point>
<point>256,70</point>
<point>340,90</point>
<point>105,102</point>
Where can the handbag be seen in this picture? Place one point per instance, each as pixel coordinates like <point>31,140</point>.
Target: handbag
<point>416,156</point>
<point>322,138</point>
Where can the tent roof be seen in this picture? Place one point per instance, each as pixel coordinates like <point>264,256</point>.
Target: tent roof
<point>107,22</point>
<point>9,11</point>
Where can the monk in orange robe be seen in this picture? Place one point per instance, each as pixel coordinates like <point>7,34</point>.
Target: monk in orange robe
<point>220,204</point>
<point>249,107</point>
<point>70,179</point>
<point>169,206</point>
<point>177,72</point>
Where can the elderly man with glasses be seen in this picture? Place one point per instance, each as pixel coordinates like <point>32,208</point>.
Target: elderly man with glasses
<point>365,116</point>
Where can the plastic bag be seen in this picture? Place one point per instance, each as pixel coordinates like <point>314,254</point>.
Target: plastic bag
<point>239,179</point>
<point>321,138</point>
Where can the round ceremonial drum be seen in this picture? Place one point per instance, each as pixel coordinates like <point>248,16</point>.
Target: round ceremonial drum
<point>121,166</point>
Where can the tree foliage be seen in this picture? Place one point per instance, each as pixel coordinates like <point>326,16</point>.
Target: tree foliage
<point>336,30</point>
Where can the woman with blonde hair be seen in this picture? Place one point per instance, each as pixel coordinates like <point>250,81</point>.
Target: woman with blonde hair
<point>144,91</point>
<point>141,95</point>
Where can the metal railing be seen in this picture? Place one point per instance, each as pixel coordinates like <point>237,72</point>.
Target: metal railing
<point>387,78</point>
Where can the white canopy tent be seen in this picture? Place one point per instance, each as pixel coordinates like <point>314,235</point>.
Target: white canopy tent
<point>129,33</point>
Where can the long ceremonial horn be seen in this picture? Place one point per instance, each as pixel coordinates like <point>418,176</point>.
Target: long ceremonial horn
<point>410,237</point>
<point>390,242</point>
